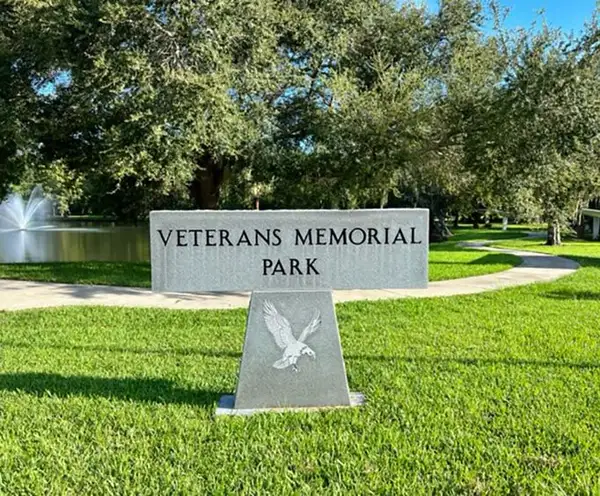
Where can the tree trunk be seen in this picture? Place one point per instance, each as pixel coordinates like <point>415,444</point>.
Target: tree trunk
<point>205,188</point>
<point>438,230</point>
<point>580,228</point>
<point>445,230</point>
<point>579,222</point>
<point>553,233</point>
<point>476,220</point>
<point>456,220</point>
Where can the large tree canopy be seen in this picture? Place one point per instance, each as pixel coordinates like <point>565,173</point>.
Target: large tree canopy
<point>119,107</point>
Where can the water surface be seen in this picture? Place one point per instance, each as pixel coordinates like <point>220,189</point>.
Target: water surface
<point>76,242</point>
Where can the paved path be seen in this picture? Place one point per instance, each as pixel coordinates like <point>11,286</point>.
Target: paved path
<point>535,267</point>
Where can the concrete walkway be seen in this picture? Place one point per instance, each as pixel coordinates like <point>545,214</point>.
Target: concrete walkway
<point>535,267</point>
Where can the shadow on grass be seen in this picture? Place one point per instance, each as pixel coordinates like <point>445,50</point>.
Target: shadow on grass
<point>584,260</point>
<point>448,247</point>
<point>519,362</point>
<point>350,356</point>
<point>494,259</point>
<point>468,234</point>
<point>573,295</point>
<point>123,349</point>
<point>489,259</point>
<point>127,388</point>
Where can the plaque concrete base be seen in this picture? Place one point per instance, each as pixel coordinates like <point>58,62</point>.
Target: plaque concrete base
<point>227,401</point>
<point>292,355</point>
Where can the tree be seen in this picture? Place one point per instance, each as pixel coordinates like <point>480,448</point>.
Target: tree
<point>168,99</point>
<point>550,138</point>
<point>22,62</point>
<point>123,107</point>
<point>384,128</point>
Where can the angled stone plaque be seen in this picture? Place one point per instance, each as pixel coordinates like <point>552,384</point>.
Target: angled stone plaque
<point>292,353</point>
<point>291,260</point>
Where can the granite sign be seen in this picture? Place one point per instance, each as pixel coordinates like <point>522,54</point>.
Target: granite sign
<point>310,249</point>
<point>291,260</point>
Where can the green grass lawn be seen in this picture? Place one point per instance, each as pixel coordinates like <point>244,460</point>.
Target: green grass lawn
<point>571,248</point>
<point>104,273</point>
<point>446,261</point>
<point>497,393</point>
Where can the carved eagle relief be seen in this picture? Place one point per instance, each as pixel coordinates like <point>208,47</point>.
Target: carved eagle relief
<point>280,329</point>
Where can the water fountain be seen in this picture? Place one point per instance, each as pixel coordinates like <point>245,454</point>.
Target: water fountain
<point>18,215</point>
<point>18,218</point>
<point>29,233</point>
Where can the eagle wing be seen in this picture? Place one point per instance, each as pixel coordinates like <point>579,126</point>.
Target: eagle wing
<point>278,325</point>
<point>311,328</point>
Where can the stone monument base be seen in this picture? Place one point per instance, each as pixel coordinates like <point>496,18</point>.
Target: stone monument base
<point>292,357</point>
<point>227,402</point>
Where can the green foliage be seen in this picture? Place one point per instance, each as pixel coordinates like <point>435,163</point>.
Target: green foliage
<point>550,136</point>
<point>130,274</point>
<point>20,70</point>
<point>181,104</point>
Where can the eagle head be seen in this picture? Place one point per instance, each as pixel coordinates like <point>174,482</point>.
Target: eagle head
<point>307,351</point>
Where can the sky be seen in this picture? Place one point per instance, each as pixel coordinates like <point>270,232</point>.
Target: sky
<point>569,15</point>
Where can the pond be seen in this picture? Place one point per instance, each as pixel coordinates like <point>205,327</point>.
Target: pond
<point>76,242</point>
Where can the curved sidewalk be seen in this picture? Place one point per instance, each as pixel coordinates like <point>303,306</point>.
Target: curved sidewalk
<point>535,267</point>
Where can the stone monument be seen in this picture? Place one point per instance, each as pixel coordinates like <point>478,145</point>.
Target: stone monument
<point>291,261</point>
